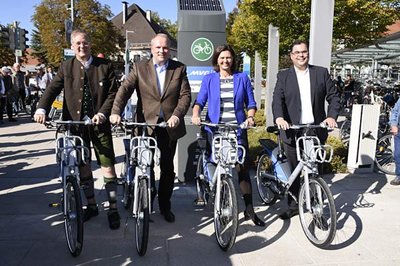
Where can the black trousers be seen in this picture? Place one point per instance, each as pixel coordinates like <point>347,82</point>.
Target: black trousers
<point>5,104</point>
<point>167,175</point>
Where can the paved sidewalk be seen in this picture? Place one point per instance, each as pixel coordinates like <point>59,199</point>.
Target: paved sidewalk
<point>31,233</point>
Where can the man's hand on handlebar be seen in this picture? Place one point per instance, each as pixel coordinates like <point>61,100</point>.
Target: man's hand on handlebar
<point>115,119</point>
<point>282,123</point>
<point>196,120</point>
<point>330,122</point>
<point>39,118</point>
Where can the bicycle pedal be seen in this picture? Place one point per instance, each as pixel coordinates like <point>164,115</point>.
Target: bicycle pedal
<point>54,205</point>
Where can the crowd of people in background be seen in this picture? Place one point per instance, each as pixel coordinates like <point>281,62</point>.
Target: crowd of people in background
<point>17,88</point>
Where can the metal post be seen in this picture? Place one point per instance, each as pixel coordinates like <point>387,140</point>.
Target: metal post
<point>321,32</point>
<point>272,71</point>
<point>127,52</point>
<point>72,11</point>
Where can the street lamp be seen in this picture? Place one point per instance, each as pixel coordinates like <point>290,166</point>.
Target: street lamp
<point>127,52</point>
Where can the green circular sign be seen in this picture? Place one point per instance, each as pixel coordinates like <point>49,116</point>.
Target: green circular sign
<point>202,49</point>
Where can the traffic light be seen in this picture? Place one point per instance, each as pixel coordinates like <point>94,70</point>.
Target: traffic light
<point>23,39</point>
<point>11,34</point>
<point>4,36</point>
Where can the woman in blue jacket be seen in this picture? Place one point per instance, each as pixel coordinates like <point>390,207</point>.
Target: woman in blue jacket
<point>229,94</point>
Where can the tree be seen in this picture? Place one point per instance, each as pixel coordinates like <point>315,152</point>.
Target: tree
<point>356,22</point>
<point>90,16</point>
<point>171,28</point>
<point>7,56</point>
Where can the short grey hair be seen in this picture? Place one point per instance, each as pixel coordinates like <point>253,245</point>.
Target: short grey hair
<point>78,32</point>
<point>162,35</point>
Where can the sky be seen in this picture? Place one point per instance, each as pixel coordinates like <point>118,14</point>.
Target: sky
<point>22,10</point>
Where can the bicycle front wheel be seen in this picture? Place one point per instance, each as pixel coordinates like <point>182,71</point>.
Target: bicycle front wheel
<point>265,167</point>
<point>73,216</point>
<point>318,223</point>
<point>226,218</point>
<point>142,218</point>
<point>384,159</point>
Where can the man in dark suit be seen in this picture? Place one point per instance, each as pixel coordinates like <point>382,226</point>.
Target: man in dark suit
<point>163,95</point>
<point>299,98</point>
<point>90,86</point>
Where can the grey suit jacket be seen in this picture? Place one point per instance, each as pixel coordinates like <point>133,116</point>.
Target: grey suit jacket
<point>287,104</point>
<point>175,98</point>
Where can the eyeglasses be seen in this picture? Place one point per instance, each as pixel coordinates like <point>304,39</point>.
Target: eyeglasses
<point>296,53</point>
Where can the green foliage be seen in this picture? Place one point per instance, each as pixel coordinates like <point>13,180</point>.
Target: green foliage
<point>356,22</point>
<point>339,159</point>
<point>254,135</point>
<point>171,28</point>
<point>50,38</point>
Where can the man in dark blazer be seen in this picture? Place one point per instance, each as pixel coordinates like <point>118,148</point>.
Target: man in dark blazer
<point>89,87</point>
<point>299,98</point>
<point>164,94</point>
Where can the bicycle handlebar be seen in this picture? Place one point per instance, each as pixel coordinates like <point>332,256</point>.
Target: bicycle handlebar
<point>144,124</point>
<point>225,125</point>
<point>275,129</point>
<point>86,122</point>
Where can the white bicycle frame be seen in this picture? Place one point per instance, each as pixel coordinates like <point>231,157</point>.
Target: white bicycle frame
<point>142,151</point>
<point>225,150</point>
<point>71,155</point>
<point>313,152</point>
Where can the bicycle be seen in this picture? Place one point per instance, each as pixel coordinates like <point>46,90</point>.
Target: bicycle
<point>214,180</point>
<point>71,153</point>
<point>135,178</point>
<point>274,177</point>
<point>384,158</point>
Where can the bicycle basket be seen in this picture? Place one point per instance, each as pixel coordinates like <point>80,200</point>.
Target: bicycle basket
<point>225,149</point>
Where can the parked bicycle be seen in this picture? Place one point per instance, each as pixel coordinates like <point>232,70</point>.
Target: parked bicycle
<point>214,180</point>
<point>384,154</point>
<point>71,153</point>
<point>315,201</point>
<point>135,178</point>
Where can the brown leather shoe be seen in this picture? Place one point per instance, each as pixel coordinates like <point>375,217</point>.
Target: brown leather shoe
<point>396,181</point>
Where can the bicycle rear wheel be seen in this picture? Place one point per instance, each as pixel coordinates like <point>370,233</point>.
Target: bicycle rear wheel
<point>319,223</point>
<point>265,167</point>
<point>226,218</point>
<point>142,218</point>
<point>73,216</point>
<point>384,159</point>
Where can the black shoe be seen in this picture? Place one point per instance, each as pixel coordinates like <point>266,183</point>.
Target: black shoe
<point>168,216</point>
<point>90,212</point>
<point>289,213</point>
<point>257,221</point>
<point>114,220</point>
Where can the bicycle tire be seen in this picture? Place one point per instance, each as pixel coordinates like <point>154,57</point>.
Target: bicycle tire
<point>142,219</point>
<point>344,131</point>
<point>73,217</point>
<point>201,191</point>
<point>265,166</point>
<point>127,191</point>
<point>226,219</point>
<point>319,224</point>
<point>384,158</point>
